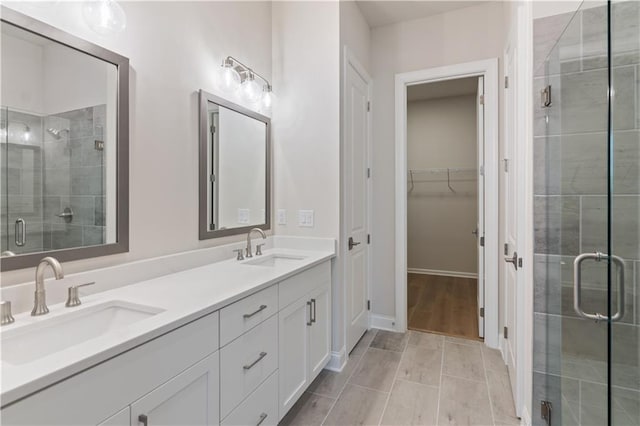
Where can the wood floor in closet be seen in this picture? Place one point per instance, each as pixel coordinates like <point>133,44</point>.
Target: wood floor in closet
<point>445,305</point>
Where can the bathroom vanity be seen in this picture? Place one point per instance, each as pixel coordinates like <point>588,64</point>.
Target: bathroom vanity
<point>234,342</point>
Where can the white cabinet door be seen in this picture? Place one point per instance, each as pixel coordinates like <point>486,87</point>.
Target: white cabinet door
<point>189,399</point>
<point>293,331</point>
<point>122,418</point>
<point>320,331</point>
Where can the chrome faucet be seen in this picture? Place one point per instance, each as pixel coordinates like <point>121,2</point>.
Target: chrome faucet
<point>264,237</point>
<point>40,303</point>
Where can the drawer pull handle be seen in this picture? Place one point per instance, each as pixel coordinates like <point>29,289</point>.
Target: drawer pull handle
<point>310,314</point>
<point>313,318</point>
<point>262,355</point>
<point>263,416</point>
<point>143,419</point>
<point>260,309</point>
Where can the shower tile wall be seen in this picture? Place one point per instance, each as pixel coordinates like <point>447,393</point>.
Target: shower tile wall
<point>570,213</point>
<point>21,182</point>
<point>74,178</point>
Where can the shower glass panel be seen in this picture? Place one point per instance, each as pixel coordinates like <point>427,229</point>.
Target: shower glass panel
<point>587,214</point>
<point>624,373</point>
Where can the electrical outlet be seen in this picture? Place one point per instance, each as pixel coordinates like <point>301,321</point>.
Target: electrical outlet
<point>282,217</point>
<point>243,216</point>
<point>305,218</point>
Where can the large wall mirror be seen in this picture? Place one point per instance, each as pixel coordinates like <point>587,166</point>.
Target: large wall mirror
<point>234,168</point>
<point>64,137</point>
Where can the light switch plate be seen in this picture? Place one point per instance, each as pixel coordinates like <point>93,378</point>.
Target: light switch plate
<point>243,216</point>
<point>282,217</point>
<point>305,218</point>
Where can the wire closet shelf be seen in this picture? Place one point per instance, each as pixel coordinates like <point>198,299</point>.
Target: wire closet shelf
<point>448,174</point>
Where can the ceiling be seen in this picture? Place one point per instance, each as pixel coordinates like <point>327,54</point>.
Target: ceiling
<point>378,13</point>
<point>443,89</point>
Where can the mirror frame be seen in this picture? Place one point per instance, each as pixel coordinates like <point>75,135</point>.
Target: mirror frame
<point>121,245</point>
<point>203,222</point>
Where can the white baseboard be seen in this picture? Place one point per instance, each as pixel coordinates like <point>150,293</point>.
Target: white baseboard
<point>525,419</point>
<point>383,322</point>
<point>442,273</point>
<point>337,361</point>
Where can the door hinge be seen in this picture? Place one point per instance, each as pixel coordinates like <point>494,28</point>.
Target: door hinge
<point>368,106</point>
<point>482,241</point>
<point>545,412</point>
<point>368,305</point>
<point>506,81</point>
<point>481,170</point>
<point>482,312</point>
<point>213,129</point>
<point>520,262</point>
<point>368,172</point>
<point>506,332</point>
<point>212,178</point>
<point>506,165</point>
<point>368,238</point>
<point>481,99</point>
<point>506,249</point>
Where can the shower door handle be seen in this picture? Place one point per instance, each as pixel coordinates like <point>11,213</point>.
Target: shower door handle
<point>577,286</point>
<point>513,260</point>
<point>20,232</point>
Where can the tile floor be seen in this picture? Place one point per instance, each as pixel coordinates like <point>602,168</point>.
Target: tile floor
<point>410,379</point>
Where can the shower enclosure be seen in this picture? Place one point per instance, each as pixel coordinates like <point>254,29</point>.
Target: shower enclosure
<point>587,216</point>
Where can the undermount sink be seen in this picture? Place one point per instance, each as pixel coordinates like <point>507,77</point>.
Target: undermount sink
<point>43,338</point>
<point>274,260</point>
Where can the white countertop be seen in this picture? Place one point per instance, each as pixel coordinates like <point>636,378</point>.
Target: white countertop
<point>184,297</point>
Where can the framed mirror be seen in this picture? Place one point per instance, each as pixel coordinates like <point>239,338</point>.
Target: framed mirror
<point>235,168</point>
<point>64,145</point>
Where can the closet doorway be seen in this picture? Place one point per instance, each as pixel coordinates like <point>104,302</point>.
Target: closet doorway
<point>447,201</point>
<point>443,212</point>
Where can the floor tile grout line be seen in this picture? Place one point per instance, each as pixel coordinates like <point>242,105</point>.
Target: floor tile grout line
<point>355,368</point>
<point>395,377</point>
<point>486,382</point>
<point>442,347</point>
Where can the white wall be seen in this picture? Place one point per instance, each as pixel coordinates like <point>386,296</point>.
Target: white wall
<point>463,35</point>
<point>441,133</point>
<point>306,116</point>
<point>174,49</point>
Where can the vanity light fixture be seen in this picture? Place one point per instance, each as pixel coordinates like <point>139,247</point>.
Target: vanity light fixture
<point>234,75</point>
<point>105,17</point>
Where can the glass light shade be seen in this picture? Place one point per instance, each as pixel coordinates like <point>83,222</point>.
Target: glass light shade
<point>251,90</point>
<point>26,136</point>
<point>105,17</point>
<point>267,98</point>
<point>229,79</point>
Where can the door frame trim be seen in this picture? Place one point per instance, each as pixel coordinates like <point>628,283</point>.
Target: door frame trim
<point>489,69</point>
<point>350,59</point>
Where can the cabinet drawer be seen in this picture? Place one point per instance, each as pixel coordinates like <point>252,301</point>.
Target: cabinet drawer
<point>260,408</point>
<point>246,362</point>
<point>299,285</point>
<point>245,314</point>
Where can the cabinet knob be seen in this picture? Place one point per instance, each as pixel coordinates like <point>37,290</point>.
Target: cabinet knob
<point>142,418</point>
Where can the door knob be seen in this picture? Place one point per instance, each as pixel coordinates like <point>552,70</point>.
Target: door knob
<point>352,244</point>
<point>513,260</point>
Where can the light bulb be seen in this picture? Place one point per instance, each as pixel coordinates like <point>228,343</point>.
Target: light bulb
<point>229,79</point>
<point>251,90</point>
<point>267,97</point>
<point>26,136</point>
<point>105,17</point>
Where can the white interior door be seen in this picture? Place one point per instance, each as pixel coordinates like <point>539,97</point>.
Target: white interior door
<point>356,201</point>
<point>511,203</point>
<point>480,228</point>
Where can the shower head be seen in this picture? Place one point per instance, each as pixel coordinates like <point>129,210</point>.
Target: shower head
<point>56,133</point>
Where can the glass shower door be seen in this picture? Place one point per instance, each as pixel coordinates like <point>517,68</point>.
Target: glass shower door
<point>587,214</point>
